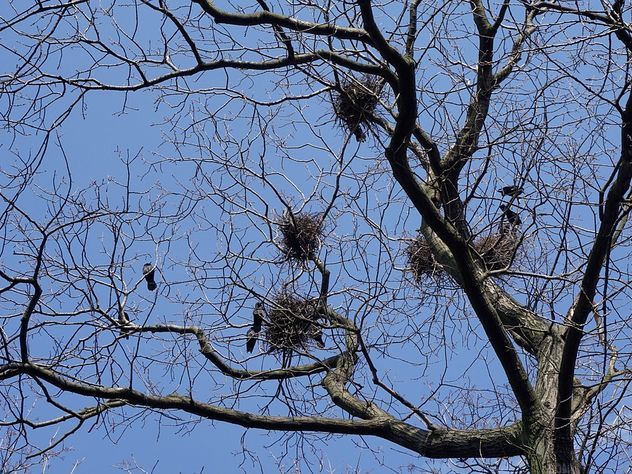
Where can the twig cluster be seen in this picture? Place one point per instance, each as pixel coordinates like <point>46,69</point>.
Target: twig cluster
<point>301,235</point>
<point>421,261</point>
<point>497,250</point>
<point>355,103</point>
<point>291,323</point>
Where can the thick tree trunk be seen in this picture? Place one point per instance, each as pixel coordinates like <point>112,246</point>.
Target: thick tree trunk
<point>549,453</point>
<point>548,456</point>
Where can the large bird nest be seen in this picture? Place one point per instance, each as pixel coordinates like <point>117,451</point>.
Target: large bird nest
<point>301,235</point>
<point>498,251</point>
<point>291,323</point>
<point>355,102</point>
<point>421,260</point>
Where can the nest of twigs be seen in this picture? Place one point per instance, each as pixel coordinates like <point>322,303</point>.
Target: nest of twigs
<point>292,323</point>
<point>496,250</point>
<point>355,103</point>
<point>421,261</point>
<point>301,235</point>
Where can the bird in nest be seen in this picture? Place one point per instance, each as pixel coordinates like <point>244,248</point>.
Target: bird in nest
<point>513,220</point>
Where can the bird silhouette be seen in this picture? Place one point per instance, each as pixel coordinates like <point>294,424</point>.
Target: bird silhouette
<point>316,330</point>
<point>318,337</point>
<point>257,319</point>
<point>513,219</point>
<point>512,190</point>
<point>149,273</point>
<point>123,319</point>
<point>359,134</point>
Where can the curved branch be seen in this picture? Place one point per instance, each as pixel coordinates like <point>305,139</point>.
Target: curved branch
<point>396,154</point>
<point>438,444</point>
<point>279,63</point>
<point>208,352</point>
<point>274,19</point>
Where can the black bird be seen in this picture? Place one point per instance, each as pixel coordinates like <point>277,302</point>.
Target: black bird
<point>512,190</point>
<point>512,218</point>
<point>123,319</point>
<point>149,271</point>
<point>359,134</point>
<point>255,329</point>
<point>318,337</point>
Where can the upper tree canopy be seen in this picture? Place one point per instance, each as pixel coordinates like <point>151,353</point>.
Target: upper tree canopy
<point>402,220</point>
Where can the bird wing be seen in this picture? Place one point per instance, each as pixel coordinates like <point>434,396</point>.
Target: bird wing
<point>252,339</point>
<point>123,317</point>
<point>318,337</point>
<point>257,319</point>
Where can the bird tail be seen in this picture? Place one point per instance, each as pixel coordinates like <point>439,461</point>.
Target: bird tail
<point>359,134</point>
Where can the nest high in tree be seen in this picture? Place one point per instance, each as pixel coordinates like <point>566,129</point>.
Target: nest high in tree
<point>356,102</point>
<point>421,261</point>
<point>496,250</point>
<point>291,323</point>
<point>301,236</point>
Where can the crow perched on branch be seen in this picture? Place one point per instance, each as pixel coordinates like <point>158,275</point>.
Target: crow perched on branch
<point>318,337</point>
<point>255,329</point>
<point>512,217</point>
<point>123,319</point>
<point>512,190</point>
<point>149,272</point>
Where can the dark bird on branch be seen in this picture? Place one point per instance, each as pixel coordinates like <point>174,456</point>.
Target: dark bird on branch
<point>316,329</point>
<point>123,319</point>
<point>318,337</point>
<point>257,319</point>
<point>512,190</point>
<point>149,272</point>
<point>513,219</point>
<point>359,134</point>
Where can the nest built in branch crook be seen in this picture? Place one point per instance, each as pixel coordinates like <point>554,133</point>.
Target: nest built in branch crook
<point>355,103</point>
<point>292,324</point>
<point>498,251</point>
<point>421,260</point>
<point>301,235</point>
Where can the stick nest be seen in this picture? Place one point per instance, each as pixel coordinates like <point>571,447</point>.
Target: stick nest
<point>496,250</point>
<point>301,236</point>
<point>291,323</point>
<point>355,103</point>
<point>421,261</point>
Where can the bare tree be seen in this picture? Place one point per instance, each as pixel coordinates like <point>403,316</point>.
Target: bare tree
<point>415,213</point>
